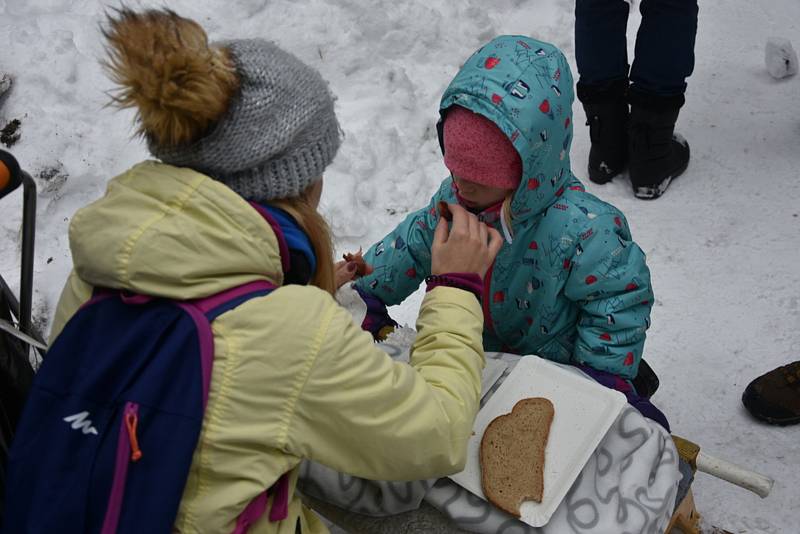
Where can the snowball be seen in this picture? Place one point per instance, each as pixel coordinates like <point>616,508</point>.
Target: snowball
<point>781,58</point>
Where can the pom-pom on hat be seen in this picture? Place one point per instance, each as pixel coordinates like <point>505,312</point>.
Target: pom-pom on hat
<point>244,112</point>
<point>475,149</point>
<point>279,133</point>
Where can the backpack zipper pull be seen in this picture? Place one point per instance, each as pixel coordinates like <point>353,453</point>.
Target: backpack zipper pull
<point>131,420</point>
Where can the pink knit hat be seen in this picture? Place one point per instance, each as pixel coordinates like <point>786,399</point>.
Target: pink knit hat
<point>475,149</point>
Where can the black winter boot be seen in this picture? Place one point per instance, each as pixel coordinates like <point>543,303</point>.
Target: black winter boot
<point>657,154</point>
<point>606,108</point>
<point>774,397</point>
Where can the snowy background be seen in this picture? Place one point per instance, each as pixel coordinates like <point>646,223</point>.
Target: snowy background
<point>723,245</point>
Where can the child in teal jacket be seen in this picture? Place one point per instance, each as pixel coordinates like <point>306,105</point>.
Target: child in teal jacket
<point>569,284</point>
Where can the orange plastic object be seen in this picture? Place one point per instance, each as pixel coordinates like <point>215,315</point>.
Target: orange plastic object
<point>5,176</point>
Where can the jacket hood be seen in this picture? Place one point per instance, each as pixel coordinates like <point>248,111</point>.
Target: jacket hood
<point>173,232</point>
<point>525,87</point>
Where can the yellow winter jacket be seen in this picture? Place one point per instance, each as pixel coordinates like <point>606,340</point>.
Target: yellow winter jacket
<point>293,376</point>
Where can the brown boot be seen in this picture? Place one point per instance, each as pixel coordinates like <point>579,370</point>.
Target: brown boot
<point>774,397</point>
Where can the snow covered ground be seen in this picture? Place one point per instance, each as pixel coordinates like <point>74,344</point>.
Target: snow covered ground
<point>723,244</point>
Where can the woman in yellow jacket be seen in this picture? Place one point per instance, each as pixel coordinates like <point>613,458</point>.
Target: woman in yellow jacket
<point>243,131</point>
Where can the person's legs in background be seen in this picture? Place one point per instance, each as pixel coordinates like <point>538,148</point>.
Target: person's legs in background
<point>602,59</point>
<point>663,59</point>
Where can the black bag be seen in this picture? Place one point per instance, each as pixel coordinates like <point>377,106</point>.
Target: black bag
<point>16,375</point>
<point>16,372</point>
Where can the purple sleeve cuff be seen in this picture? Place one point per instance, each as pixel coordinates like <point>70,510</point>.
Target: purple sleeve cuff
<point>377,316</point>
<point>612,381</point>
<point>467,281</point>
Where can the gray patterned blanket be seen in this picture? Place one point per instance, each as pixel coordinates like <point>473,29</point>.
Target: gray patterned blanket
<point>629,483</point>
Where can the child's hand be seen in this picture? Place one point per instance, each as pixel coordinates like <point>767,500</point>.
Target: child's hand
<point>469,246</point>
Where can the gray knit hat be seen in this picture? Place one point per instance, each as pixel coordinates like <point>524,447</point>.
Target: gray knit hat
<point>277,136</point>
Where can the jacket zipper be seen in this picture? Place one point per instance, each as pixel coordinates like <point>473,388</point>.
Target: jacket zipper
<point>127,452</point>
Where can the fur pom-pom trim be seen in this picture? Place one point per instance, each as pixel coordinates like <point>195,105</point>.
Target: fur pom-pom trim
<point>166,69</point>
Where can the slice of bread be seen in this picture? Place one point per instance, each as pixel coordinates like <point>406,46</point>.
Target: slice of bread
<point>512,454</point>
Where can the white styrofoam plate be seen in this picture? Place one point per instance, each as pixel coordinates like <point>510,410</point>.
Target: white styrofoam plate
<point>584,411</point>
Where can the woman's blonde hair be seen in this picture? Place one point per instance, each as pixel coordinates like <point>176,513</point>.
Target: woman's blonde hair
<point>318,233</point>
<point>507,211</point>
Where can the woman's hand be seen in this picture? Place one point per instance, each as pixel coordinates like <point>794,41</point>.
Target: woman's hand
<point>345,271</point>
<point>351,268</point>
<point>469,246</point>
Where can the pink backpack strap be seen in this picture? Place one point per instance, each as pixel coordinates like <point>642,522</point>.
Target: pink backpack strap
<point>230,296</point>
<point>256,508</point>
<point>280,504</point>
<point>100,294</point>
<point>251,513</point>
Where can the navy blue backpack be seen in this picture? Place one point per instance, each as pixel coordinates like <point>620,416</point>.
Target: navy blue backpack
<point>107,435</point>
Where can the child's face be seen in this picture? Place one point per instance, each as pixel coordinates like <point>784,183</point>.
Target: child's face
<point>478,196</point>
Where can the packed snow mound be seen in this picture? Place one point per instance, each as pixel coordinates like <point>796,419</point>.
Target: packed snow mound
<point>781,58</point>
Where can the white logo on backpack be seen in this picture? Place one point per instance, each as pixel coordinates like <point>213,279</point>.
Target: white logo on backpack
<point>80,421</point>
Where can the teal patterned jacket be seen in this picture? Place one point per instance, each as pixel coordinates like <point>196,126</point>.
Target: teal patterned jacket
<point>569,284</point>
